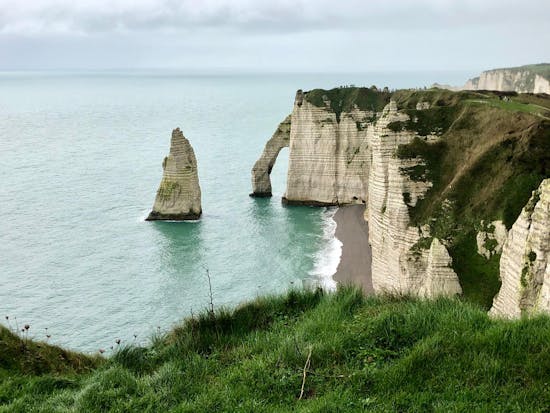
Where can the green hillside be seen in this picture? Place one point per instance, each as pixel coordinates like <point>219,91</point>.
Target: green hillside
<point>308,352</point>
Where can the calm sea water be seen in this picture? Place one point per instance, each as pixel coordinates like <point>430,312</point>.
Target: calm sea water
<point>80,162</point>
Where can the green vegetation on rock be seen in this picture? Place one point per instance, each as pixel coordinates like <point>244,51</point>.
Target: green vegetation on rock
<point>365,354</point>
<point>491,155</point>
<point>343,99</point>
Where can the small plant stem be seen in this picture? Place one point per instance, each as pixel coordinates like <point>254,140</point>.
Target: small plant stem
<point>306,366</point>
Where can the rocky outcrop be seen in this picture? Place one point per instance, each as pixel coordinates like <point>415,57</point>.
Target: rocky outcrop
<point>261,182</point>
<point>179,194</point>
<point>525,263</point>
<point>403,259</point>
<point>491,238</point>
<point>525,79</point>
<point>440,279</point>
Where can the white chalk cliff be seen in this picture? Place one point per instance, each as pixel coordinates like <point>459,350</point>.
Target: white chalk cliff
<point>525,261</point>
<point>522,80</point>
<point>328,159</point>
<point>179,194</point>
<point>400,262</point>
<point>350,158</point>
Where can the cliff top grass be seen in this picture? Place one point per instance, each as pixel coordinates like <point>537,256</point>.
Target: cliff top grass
<point>343,99</point>
<point>20,355</point>
<point>310,352</point>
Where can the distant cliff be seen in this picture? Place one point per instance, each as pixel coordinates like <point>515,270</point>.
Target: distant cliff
<point>436,169</point>
<point>523,79</point>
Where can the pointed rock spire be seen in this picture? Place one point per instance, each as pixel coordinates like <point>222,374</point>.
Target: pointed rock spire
<point>179,194</point>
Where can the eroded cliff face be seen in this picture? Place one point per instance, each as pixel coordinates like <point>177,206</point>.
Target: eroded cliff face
<point>329,158</point>
<point>179,194</point>
<point>508,80</point>
<point>525,263</point>
<point>405,259</point>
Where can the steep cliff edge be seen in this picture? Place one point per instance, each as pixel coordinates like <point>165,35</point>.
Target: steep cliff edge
<point>432,167</point>
<point>179,194</point>
<point>525,262</point>
<point>329,157</point>
<point>523,79</point>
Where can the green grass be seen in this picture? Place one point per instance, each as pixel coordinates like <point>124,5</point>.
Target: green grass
<point>479,278</point>
<point>514,105</point>
<point>367,354</point>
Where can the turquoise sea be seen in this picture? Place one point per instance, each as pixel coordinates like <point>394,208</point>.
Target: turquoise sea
<point>80,163</point>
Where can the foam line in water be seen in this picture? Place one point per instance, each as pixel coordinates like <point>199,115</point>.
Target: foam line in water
<point>328,257</point>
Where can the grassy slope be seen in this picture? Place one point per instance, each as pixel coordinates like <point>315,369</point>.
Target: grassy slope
<point>375,354</point>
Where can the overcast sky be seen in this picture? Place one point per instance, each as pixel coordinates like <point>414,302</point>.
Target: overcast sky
<point>273,36</point>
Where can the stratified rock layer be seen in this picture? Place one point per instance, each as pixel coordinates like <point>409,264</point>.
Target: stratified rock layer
<point>440,279</point>
<point>525,265</point>
<point>179,194</point>
<point>329,159</point>
<point>521,79</point>
<point>400,262</point>
<point>261,182</point>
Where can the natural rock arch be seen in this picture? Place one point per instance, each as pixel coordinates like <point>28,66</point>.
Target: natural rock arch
<point>261,182</point>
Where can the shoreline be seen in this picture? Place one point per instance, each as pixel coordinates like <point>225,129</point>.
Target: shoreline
<point>352,231</point>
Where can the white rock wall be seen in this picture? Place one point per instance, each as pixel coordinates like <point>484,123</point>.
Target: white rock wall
<point>328,160</point>
<point>542,85</point>
<point>497,235</point>
<point>525,265</point>
<point>509,80</point>
<point>397,267</point>
<point>440,278</point>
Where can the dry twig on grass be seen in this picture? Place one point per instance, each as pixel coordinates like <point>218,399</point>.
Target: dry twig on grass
<point>306,366</point>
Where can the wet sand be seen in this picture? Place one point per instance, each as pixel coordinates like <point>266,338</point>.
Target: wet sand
<point>355,263</point>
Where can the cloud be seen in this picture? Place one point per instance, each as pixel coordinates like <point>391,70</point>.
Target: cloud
<point>274,35</point>
<point>85,17</point>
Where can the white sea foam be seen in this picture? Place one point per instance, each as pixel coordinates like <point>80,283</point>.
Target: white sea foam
<point>144,215</point>
<point>327,259</point>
